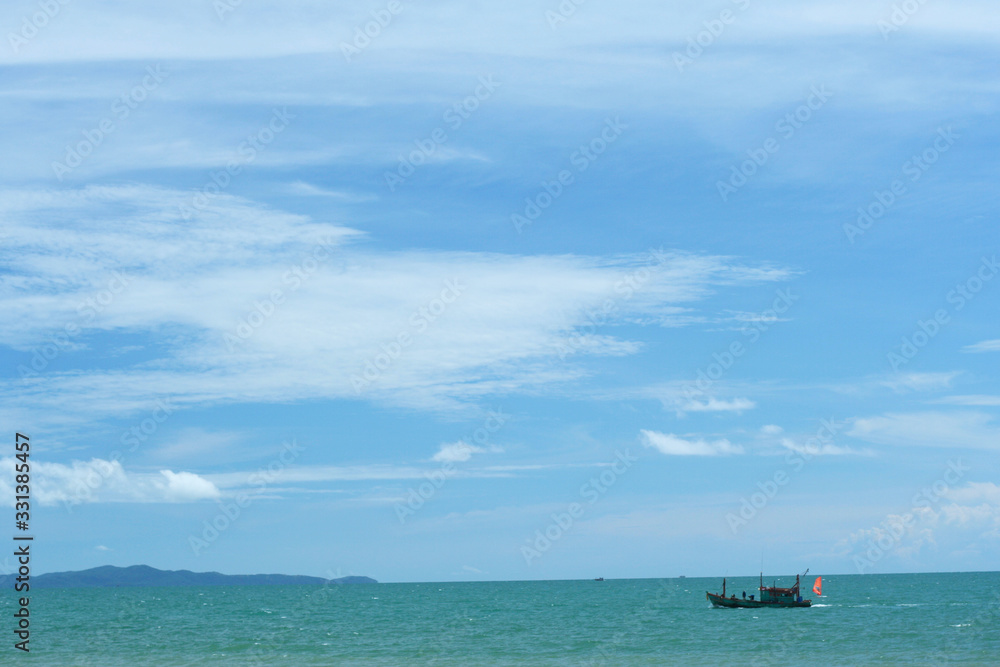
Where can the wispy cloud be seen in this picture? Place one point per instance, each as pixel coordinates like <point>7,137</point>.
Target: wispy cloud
<point>265,305</point>
<point>683,396</point>
<point>974,430</point>
<point>971,400</point>
<point>906,382</point>
<point>672,445</point>
<point>303,189</point>
<point>231,482</point>
<point>198,446</point>
<point>717,405</point>
<point>98,32</point>
<point>899,383</point>
<point>984,346</point>
<point>822,449</point>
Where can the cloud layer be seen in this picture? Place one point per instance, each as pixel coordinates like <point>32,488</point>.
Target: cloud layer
<point>239,302</point>
<point>99,480</point>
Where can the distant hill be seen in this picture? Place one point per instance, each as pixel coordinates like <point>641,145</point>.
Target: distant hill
<point>143,575</point>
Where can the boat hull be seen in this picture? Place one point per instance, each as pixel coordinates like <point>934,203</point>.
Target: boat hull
<point>719,601</point>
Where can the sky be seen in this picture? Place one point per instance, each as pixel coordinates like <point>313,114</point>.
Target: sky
<point>444,291</point>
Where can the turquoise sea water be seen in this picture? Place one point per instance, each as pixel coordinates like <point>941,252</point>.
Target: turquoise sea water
<point>921,619</point>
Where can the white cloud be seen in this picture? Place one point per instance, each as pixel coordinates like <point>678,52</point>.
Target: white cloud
<point>824,449</point>
<point>233,482</point>
<point>976,493</point>
<point>185,486</point>
<point>903,382</point>
<point>900,383</point>
<point>973,515</point>
<point>984,346</point>
<point>974,430</point>
<point>198,446</point>
<point>717,405</point>
<point>403,69</point>
<point>100,31</point>
<point>683,396</point>
<point>200,293</point>
<point>456,452</point>
<point>972,400</point>
<point>772,440</point>
<point>98,480</point>
<point>303,189</point>
<point>983,518</point>
<point>101,547</point>
<point>671,445</point>
<point>905,535</point>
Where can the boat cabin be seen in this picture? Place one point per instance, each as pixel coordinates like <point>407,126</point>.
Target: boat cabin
<point>774,594</point>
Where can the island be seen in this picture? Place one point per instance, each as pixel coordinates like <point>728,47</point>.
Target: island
<point>144,575</point>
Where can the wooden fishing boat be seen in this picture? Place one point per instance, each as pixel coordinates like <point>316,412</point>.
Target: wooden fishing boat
<point>769,596</point>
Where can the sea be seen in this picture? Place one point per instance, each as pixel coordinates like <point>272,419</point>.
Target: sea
<point>895,619</point>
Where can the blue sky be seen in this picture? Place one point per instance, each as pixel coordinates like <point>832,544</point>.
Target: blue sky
<point>643,292</point>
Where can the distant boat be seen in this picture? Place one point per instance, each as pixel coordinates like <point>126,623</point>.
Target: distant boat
<point>682,577</point>
<point>599,579</point>
<point>770,596</point>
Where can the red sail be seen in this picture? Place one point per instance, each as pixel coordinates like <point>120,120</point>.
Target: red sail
<point>818,586</point>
